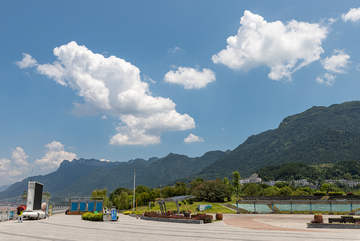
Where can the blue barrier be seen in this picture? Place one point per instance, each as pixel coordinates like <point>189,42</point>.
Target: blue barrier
<point>99,207</point>
<point>90,206</point>
<point>82,207</point>
<point>74,206</point>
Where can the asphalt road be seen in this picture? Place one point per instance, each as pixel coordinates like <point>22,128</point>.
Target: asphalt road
<point>234,227</point>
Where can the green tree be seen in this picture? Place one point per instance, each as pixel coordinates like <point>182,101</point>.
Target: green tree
<point>122,201</point>
<point>193,184</point>
<point>271,191</point>
<point>180,189</point>
<point>281,184</point>
<point>251,189</point>
<point>141,188</point>
<point>212,191</point>
<point>347,176</point>
<point>236,183</point>
<point>99,194</point>
<point>285,191</point>
<point>117,192</point>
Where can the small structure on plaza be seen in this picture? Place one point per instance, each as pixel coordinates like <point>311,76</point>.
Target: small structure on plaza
<point>34,201</point>
<point>344,222</point>
<point>80,205</point>
<point>176,200</point>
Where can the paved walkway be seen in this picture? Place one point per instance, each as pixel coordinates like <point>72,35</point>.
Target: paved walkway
<point>234,227</point>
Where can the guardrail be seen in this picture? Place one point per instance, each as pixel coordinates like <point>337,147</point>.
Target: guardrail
<point>59,209</point>
<point>9,214</point>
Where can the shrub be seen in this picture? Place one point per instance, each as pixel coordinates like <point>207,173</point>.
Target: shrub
<point>206,218</point>
<point>132,212</point>
<point>319,193</point>
<point>92,216</point>
<point>335,193</point>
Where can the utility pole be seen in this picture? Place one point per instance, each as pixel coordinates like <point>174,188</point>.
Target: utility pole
<point>134,192</point>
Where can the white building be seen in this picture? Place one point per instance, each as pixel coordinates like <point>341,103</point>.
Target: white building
<point>254,178</point>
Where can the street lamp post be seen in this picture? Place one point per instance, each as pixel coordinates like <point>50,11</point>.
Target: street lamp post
<point>134,192</point>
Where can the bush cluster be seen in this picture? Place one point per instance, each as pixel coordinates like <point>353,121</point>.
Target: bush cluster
<point>132,212</point>
<point>92,216</point>
<point>205,217</point>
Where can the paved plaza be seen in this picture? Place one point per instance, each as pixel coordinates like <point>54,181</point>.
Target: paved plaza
<point>277,227</point>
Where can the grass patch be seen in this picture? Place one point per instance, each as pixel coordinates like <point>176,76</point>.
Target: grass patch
<point>216,207</point>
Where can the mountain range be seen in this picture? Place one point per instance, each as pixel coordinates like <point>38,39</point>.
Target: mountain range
<point>317,135</point>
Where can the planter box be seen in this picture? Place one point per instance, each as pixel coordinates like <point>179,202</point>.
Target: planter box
<point>333,225</point>
<point>173,220</point>
<point>106,217</point>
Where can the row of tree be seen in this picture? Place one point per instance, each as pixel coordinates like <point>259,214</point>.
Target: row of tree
<point>211,191</point>
<point>214,191</point>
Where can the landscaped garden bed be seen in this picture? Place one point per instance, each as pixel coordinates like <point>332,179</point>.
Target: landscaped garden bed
<point>90,216</point>
<point>194,218</point>
<point>345,222</point>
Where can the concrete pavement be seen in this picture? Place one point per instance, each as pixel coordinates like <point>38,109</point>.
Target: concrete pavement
<point>234,227</point>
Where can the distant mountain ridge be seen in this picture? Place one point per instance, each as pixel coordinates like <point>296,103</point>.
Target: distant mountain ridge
<point>4,187</point>
<point>81,177</point>
<point>317,135</point>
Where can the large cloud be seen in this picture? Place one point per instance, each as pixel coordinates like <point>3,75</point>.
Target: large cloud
<point>285,48</point>
<point>190,78</point>
<point>113,86</point>
<point>54,155</point>
<point>353,15</point>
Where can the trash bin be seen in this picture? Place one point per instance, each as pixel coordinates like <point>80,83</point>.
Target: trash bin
<point>113,214</point>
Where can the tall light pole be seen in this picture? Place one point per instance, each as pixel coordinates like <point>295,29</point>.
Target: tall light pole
<point>134,192</point>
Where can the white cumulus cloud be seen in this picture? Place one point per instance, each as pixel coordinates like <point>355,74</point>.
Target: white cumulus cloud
<point>327,79</point>
<point>12,169</point>
<point>337,62</point>
<point>113,86</point>
<point>285,48</point>
<point>54,155</point>
<point>174,50</point>
<point>353,15</point>
<point>27,61</point>
<point>190,78</point>
<point>193,138</point>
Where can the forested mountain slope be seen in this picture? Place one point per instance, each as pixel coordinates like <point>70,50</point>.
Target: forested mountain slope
<point>318,135</point>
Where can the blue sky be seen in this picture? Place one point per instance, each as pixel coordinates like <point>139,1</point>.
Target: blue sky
<point>118,80</point>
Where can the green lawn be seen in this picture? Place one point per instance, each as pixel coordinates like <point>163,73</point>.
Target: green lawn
<point>216,207</point>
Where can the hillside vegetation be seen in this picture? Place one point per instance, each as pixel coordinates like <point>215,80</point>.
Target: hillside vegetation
<point>349,170</point>
<point>318,135</point>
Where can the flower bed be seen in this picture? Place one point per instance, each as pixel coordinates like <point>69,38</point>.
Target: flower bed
<point>206,218</point>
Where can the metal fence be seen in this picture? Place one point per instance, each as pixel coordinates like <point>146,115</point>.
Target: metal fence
<point>9,214</point>
<point>59,209</point>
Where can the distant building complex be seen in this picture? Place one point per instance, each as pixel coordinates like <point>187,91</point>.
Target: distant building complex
<point>254,178</point>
